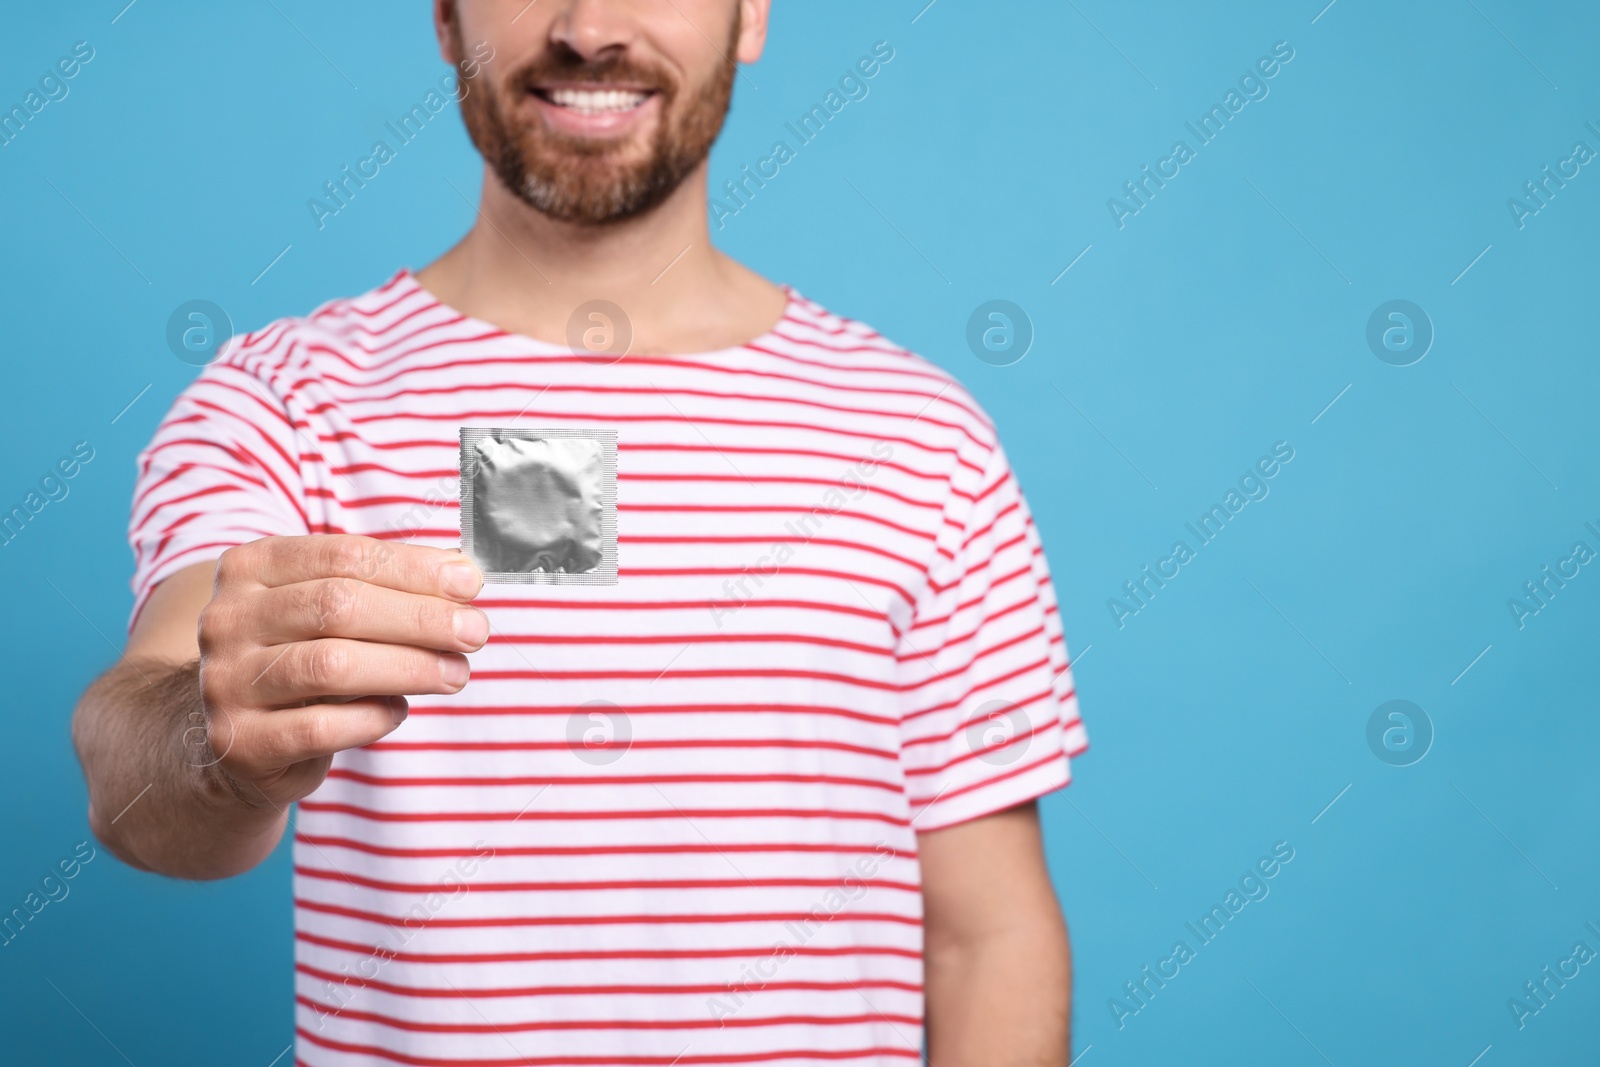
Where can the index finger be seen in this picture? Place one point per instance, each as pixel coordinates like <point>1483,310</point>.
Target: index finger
<point>279,561</point>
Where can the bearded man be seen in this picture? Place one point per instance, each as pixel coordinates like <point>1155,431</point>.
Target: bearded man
<point>749,778</point>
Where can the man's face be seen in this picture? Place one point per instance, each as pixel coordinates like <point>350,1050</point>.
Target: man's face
<point>592,111</point>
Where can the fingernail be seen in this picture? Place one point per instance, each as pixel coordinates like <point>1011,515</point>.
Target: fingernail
<point>454,670</point>
<point>460,579</point>
<point>400,708</point>
<point>471,627</point>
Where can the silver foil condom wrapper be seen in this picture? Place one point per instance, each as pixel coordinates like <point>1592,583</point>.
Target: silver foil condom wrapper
<point>540,506</point>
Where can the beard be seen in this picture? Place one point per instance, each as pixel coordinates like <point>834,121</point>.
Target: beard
<point>596,180</point>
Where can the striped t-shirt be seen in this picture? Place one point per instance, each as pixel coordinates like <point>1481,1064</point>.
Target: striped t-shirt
<point>671,820</point>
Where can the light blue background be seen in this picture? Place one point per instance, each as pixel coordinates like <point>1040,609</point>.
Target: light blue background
<point>1224,717</point>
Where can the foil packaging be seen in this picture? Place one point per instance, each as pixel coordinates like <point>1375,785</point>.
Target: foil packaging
<point>540,506</point>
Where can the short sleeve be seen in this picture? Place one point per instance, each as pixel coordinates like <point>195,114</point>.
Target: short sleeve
<point>222,469</point>
<point>989,717</point>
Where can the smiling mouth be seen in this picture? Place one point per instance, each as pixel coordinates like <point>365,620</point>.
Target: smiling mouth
<point>594,101</point>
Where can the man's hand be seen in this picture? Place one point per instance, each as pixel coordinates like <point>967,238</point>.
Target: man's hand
<point>309,645</point>
<point>998,963</point>
<point>244,677</point>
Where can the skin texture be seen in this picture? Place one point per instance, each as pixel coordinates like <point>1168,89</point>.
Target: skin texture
<point>244,676</point>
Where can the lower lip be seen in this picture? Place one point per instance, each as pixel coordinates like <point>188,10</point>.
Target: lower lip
<point>596,123</point>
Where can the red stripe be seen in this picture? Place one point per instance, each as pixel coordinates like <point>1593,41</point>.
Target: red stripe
<point>843,848</point>
<point>657,709</point>
<point>210,490</point>
<point>183,468</point>
<point>238,455</point>
<point>964,605</point>
<point>655,676</point>
<point>552,389</point>
<point>473,993</point>
<point>976,535</point>
<point>484,335</point>
<point>719,572</point>
<point>591,816</point>
<point>651,920</point>
<point>987,782</point>
<point>686,639</point>
<point>667,605</point>
<point>976,688</point>
<point>341,307</point>
<point>608,417</point>
<point>608,1025</point>
<point>1043,729</point>
<point>244,455</point>
<point>979,598</point>
<point>677,363</point>
<point>924,373</point>
<point>477,781</point>
<point>277,414</point>
<point>356,328</point>
<point>948,644</point>
<point>977,569</point>
<point>775,509</point>
<point>232,354</point>
<point>973,661</point>
<point>910,742</point>
<point>684,1059</point>
<point>208,549</point>
<point>577,887</point>
<point>556,746</point>
<point>754,952</point>
<point>779,479</point>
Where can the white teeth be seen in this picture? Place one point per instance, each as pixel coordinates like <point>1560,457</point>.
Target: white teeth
<point>597,100</point>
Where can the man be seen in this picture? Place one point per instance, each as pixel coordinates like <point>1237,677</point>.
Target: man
<point>766,799</point>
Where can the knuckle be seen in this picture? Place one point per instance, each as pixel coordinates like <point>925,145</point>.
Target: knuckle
<point>212,625</point>
<point>433,622</point>
<point>221,734</point>
<point>333,601</point>
<point>382,554</point>
<point>212,689</point>
<point>425,669</point>
<point>241,565</point>
<point>247,749</point>
<point>325,662</point>
<point>344,556</point>
<point>310,731</point>
<point>230,564</point>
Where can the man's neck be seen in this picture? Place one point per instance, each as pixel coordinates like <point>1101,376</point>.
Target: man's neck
<point>528,273</point>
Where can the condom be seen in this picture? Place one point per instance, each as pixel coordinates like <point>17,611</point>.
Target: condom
<point>540,506</point>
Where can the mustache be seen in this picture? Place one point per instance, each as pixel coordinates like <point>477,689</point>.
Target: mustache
<point>565,65</point>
